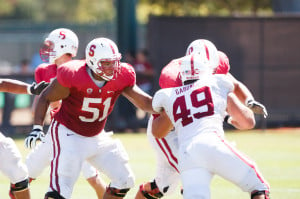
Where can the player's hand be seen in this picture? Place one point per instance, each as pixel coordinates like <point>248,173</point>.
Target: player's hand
<point>36,134</point>
<point>257,108</point>
<point>36,89</point>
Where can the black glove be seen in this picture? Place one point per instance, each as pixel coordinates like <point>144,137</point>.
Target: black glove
<point>35,135</point>
<point>228,119</point>
<point>257,107</point>
<point>36,89</point>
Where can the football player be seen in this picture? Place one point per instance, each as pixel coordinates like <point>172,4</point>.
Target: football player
<point>11,159</point>
<point>60,46</point>
<point>197,110</point>
<point>88,90</point>
<point>166,149</point>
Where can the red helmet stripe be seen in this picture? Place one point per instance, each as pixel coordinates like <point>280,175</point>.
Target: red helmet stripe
<point>192,64</point>
<point>112,48</point>
<point>207,52</point>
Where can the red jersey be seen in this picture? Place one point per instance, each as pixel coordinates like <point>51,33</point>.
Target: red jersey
<point>86,109</point>
<point>169,76</point>
<point>45,72</point>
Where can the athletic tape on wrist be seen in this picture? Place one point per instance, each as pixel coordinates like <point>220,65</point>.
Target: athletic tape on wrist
<point>29,90</point>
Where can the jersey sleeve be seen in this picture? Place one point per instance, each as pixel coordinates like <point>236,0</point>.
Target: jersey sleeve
<point>128,74</point>
<point>64,76</point>
<point>158,99</point>
<point>225,82</point>
<point>39,73</point>
<point>224,65</point>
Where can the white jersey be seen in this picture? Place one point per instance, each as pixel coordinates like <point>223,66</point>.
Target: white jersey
<point>205,101</point>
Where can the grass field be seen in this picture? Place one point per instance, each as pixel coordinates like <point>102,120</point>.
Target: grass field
<point>276,152</point>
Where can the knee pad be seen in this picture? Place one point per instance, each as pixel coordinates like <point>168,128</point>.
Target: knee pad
<point>19,186</point>
<point>154,193</point>
<point>53,195</point>
<point>117,192</point>
<point>258,193</point>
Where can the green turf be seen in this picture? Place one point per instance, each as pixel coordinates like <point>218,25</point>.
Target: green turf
<point>276,152</point>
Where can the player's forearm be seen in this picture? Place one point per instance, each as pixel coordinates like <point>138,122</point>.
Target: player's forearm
<point>144,103</point>
<point>13,86</point>
<point>241,117</point>
<point>161,125</point>
<point>41,110</point>
<point>240,90</point>
<point>139,98</point>
<point>147,105</point>
<point>243,125</point>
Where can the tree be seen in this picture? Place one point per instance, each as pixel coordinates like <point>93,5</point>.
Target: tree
<point>95,11</point>
<point>202,8</point>
<point>74,11</point>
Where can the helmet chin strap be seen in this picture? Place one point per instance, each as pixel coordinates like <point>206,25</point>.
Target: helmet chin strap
<point>98,76</point>
<point>108,78</point>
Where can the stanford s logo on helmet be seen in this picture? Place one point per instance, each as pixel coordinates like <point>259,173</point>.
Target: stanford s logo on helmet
<point>207,48</point>
<point>103,58</point>
<point>59,42</point>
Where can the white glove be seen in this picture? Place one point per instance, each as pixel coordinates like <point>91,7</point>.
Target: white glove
<point>257,107</point>
<point>35,135</point>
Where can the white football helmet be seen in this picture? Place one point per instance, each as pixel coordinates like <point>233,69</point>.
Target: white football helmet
<point>59,42</point>
<point>203,46</point>
<point>102,50</point>
<point>194,66</point>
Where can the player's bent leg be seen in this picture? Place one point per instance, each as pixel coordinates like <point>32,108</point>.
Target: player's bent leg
<point>166,179</point>
<point>260,194</point>
<point>114,193</point>
<point>20,190</point>
<point>39,158</point>
<point>149,190</point>
<point>250,180</point>
<point>113,161</point>
<point>240,170</point>
<point>196,183</point>
<point>24,194</point>
<point>53,195</point>
<point>118,189</point>
<point>98,184</point>
<point>90,173</point>
<point>11,192</point>
<point>65,173</point>
<point>13,167</point>
<point>67,160</point>
<point>260,189</point>
<point>166,151</point>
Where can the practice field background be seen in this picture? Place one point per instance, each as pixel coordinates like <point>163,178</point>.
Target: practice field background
<point>276,152</point>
